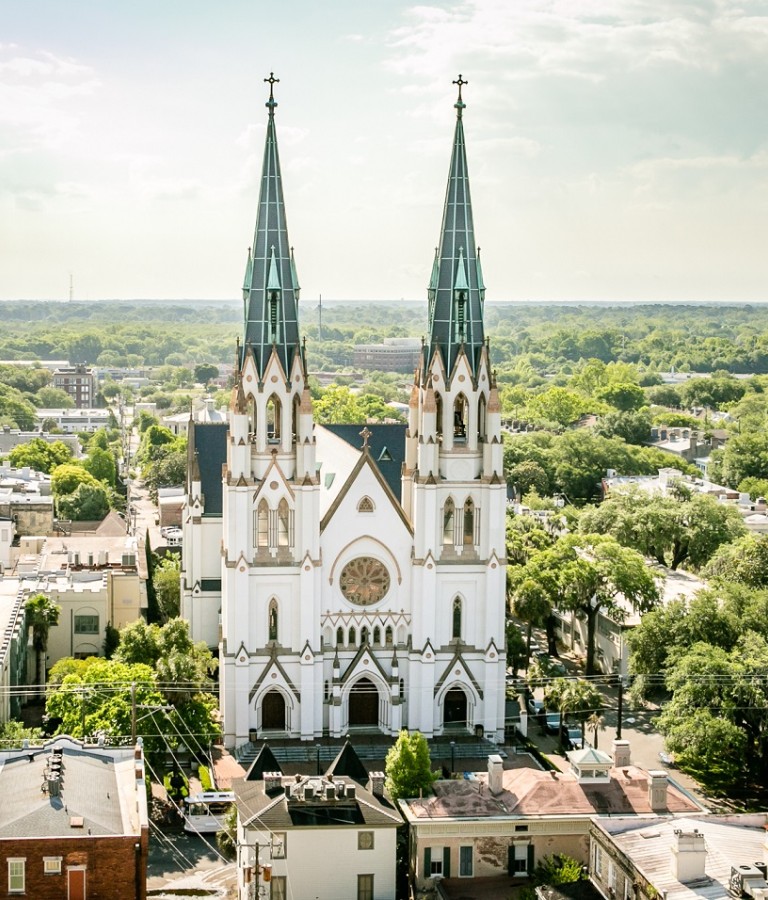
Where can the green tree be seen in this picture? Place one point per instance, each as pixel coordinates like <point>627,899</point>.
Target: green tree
<point>40,455</point>
<point>226,838</point>
<point>88,503</point>
<point>670,529</point>
<point>527,476</point>
<point>205,372</point>
<point>42,614</point>
<point>597,575</point>
<point>167,469</point>
<point>53,398</point>
<point>67,478</point>
<point>337,404</point>
<point>531,603</point>
<point>622,396</point>
<point>408,766</point>
<point>558,869</point>
<point>633,426</point>
<point>167,584</point>
<point>573,698</point>
<point>101,464</point>
<point>15,409</point>
<point>559,405</point>
<point>13,733</point>
<point>744,560</point>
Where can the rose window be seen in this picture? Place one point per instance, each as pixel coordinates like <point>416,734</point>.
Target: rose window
<point>364,581</point>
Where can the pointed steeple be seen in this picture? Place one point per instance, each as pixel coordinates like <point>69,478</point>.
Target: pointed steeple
<point>271,289</point>
<point>456,290</point>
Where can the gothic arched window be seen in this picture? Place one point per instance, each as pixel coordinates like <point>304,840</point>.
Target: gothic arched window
<point>439,415</point>
<point>376,636</point>
<point>262,525</point>
<point>273,418</point>
<point>481,416</point>
<point>402,689</point>
<point>295,418</point>
<point>272,620</point>
<point>388,636</point>
<point>327,690</point>
<point>449,518</point>
<point>352,636</point>
<point>284,523</point>
<point>456,619</point>
<point>339,636</point>
<point>365,505</point>
<point>460,419</point>
<point>469,522</point>
<point>364,634</point>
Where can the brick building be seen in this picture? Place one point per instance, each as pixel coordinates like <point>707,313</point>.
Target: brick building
<point>77,381</point>
<point>73,822</point>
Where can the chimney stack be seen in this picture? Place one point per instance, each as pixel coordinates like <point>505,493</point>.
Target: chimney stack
<point>377,783</point>
<point>273,781</point>
<point>657,790</point>
<point>689,856</point>
<point>621,755</point>
<point>495,774</point>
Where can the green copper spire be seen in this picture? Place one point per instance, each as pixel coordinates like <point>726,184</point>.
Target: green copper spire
<point>271,289</point>
<point>456,290</point>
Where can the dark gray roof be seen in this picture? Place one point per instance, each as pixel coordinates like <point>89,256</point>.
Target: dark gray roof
<point>270,276</point>
<point>265,762</point>
<point>387,448</point>
<point>456,270</point>
<point>275,812</point>
<point>88,788</point>
<point>348,763</point>
<point>210,444</point>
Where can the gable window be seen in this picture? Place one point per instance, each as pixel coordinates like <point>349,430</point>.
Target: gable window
<point>456,619</point>
<point>365,840</point>
<point>365,505</point>
<point>449,515</point>
<point>86,624</point>
<point>16,876</point>
<point>272,623</point>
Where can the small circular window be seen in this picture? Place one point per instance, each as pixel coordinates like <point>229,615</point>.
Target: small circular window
<point>364,581</point>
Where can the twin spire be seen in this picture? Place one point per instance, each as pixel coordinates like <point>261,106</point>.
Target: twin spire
<point>456,289</point>
<point>270,286</point>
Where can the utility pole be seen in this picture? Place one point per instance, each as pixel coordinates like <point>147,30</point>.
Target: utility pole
<point>620,708</point>
<point>133,712</point>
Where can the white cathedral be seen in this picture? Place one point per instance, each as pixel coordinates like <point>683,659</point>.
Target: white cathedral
<point>352,577</point>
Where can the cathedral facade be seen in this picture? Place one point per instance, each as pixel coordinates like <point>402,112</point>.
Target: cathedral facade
<point>353,577</point>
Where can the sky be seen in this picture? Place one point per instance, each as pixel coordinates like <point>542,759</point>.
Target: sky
<point>617,149</point>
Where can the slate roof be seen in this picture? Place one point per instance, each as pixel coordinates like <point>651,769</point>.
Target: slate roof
<point>89,788</point>
<point>265,762</point>
<point>386,445</point>
<point>274,811</point>
<point>210,444</point>
<point>348,763</point>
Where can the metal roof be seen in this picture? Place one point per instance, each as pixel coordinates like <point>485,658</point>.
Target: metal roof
<point>270,287</point>
<point>456,290</point>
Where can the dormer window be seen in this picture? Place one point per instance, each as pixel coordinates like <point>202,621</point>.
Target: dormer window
<point>274,299</point>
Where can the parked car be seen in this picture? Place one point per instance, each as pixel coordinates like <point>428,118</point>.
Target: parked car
<point>551,664</point>
<point>535,707</point>
<point>571,736</point>
<point>551,721</point>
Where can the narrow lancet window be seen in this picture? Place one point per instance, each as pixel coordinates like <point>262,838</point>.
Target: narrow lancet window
<point>272,620</point>
<point>456,620</point>
<point>449,517</point>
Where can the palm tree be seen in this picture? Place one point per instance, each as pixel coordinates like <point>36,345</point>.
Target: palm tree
<point>42,615</point>
<point>597,723</point>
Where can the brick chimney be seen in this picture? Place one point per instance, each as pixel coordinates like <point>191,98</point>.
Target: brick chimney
<point>689,856</point>
<point>657,790</point>
<point>621,755</point>
<point>495,774</point>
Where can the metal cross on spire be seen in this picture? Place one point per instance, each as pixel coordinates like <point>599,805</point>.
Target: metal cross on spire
<point>365,435</point>
<point>272,81</point>
<point>460,104</point>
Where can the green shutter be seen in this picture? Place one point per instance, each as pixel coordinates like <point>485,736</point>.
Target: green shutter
<point>427,862</point>
<point>530,859</point>
<point>446,862</point>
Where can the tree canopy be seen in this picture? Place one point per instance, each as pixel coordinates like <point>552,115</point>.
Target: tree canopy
<point>408,766</point>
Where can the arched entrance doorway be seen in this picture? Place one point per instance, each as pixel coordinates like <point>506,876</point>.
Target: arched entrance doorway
<point>273,711</point>
<point>455,709</point>
<point>364,703</point>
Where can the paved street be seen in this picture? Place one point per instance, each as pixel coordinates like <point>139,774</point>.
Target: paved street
<point>185,862</point>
